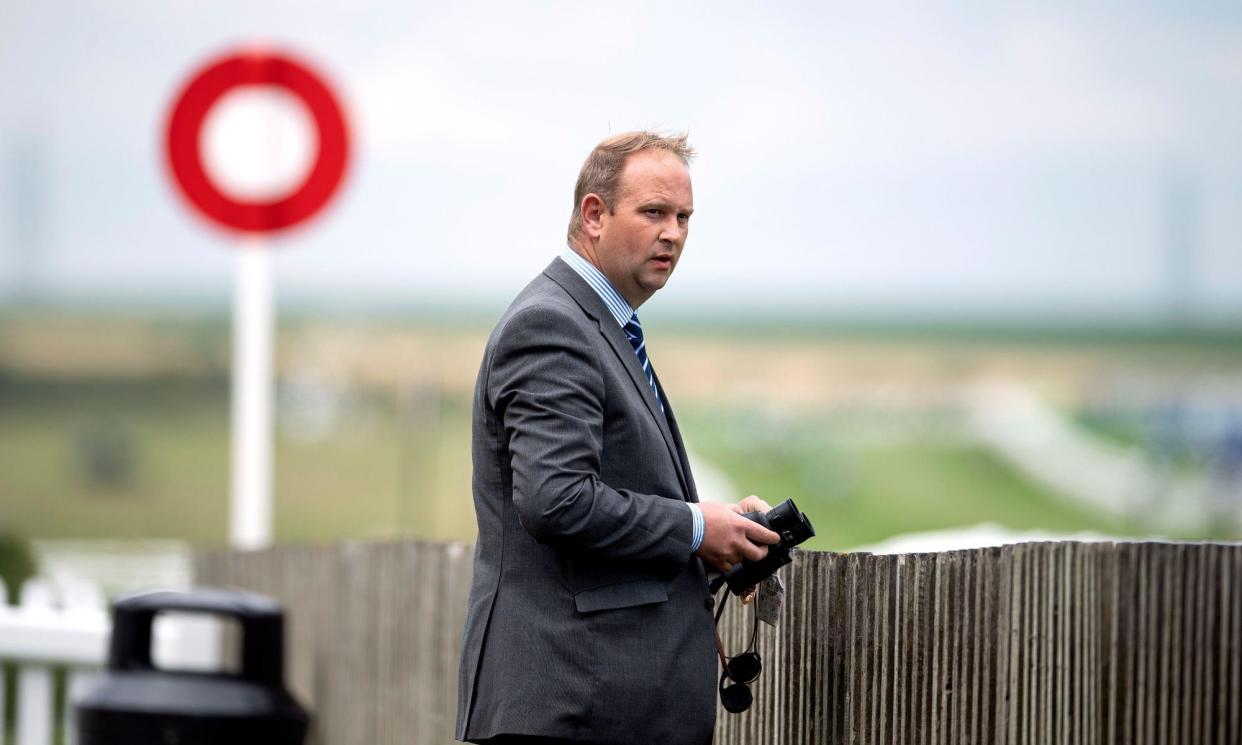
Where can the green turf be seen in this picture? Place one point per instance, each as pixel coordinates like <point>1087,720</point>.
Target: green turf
<point>860,492</point>
<point>178,446</point>
<point>394,467</point>
<point>370,478</point>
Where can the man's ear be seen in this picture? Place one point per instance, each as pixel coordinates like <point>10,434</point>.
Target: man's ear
<point>593,210</point>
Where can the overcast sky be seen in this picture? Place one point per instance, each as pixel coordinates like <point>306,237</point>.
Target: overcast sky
<point>1036,161</point>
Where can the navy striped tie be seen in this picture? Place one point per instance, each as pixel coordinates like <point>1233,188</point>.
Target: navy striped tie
<point>634,332</point>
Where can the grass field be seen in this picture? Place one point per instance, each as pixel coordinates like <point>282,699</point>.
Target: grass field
<point>371,478</point>
<point>383,474</point>
<point>860,493</point>
<point>117,426</point>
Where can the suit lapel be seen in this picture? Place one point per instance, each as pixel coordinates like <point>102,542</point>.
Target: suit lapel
<point>583,294</point>
<point>682,455</point>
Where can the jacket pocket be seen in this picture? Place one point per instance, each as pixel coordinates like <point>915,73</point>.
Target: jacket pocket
<point>621,595</point>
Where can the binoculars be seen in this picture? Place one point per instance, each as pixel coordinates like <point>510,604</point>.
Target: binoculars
<point>792,526</point>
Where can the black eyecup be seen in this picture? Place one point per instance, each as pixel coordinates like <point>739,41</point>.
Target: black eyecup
<point>735,698</point>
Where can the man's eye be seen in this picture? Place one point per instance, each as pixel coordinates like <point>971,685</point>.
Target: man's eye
<point>653,211</point>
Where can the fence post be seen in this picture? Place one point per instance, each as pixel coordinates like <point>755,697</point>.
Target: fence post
<point>4,600</point>
<point>78,596</point>
<point>34,681</point>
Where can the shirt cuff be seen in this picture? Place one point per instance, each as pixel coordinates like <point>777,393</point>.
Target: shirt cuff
<point>696,533</point>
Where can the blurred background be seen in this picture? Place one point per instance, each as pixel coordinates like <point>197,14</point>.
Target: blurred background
<point>953,268</point>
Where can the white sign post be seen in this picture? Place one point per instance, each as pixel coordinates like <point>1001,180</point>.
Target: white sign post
<point>250,514</point>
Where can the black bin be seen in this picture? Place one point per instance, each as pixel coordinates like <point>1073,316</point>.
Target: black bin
<point>135,703</point>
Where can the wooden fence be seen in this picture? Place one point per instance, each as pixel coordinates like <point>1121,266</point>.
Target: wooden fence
<point>1033,643</point>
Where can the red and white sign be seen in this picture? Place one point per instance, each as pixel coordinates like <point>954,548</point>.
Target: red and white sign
<point>184,146</point>
<point>254,215</point>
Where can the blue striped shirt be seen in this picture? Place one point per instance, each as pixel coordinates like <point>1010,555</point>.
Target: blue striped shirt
<point>621,312</point>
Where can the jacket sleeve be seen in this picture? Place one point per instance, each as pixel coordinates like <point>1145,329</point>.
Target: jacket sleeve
<point>546,385</point>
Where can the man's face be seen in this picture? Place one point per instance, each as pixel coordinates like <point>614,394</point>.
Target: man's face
<point>640,242</point>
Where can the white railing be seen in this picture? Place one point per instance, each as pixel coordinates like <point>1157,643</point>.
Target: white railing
<point>65,625</point>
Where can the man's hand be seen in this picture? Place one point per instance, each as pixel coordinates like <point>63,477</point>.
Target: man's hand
<point>751,504</point>
<point>728,537</point>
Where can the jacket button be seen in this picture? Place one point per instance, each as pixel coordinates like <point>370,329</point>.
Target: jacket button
<point>710,602</point>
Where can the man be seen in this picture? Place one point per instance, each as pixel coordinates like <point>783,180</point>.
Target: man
<point>589,618</point>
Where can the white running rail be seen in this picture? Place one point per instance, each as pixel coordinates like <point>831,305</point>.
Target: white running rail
<point>65,625</point>
<point>62,626</point>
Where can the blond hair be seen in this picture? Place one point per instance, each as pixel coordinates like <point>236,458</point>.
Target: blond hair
<point>601,172</point>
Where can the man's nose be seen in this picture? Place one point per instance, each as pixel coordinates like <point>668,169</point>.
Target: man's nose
<point>674,232</point>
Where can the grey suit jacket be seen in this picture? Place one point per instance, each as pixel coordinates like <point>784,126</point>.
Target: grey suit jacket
<point>588,616</point>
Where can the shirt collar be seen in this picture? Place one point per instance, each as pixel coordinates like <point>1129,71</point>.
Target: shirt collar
<point>616,304</point>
